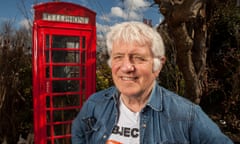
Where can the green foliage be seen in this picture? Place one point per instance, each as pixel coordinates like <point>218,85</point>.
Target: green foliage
<point>171,78</point>
<point>104,77</point>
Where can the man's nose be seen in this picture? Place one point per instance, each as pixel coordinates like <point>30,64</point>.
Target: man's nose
<point>127,65</point>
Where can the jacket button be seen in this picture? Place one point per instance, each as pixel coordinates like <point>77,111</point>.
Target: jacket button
<point>104,136</point>
<point>144,125</point>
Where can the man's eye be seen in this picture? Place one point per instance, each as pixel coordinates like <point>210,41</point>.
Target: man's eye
<point>138,58</point>
<point>117,57</point>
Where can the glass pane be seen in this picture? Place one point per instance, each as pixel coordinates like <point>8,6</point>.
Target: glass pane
<point>65,56</point>
<point>48,116</point>
<point>65,86</point>
<point>83,85</point>
<point>83,56</point>
<point>66,101</point>
<point>64,115</point>
<point>84,98</point>
<point>47,41</point>
<point>62,129</point>
<point>59,41</point>
<point>59,130</point>
<point>47,72</point>
<point>66,71</point>
<point>83,42</point>
<point>48,130</point>
<point>47,56</point>
<point>83,71</point>
<point>47,101</point>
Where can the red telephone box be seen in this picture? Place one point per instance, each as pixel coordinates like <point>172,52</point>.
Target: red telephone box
<point>64,67</point>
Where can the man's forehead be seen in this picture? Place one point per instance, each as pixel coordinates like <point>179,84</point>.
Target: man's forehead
<point>140,42</point>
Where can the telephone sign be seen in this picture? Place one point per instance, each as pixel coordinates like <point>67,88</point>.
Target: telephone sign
<point>64,67</point>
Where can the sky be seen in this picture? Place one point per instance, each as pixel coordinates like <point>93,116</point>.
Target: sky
<point>108,12</point>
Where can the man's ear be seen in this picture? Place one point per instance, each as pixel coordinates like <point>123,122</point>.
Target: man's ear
<point>162,60</point>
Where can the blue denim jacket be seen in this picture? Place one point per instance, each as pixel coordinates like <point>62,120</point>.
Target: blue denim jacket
<point>166,119</point>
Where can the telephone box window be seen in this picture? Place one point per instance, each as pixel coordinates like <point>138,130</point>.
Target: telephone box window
<point>59,56</point>
<point>83,85</point>
<point>66,71</point>
<point>61,130</point>
<point>83,71</point>
<point>65,86</point>
<point>47,72</point>
<point>48,101</point>
<point>47,41</point>
<point>64,115</point>
<point>83,42</point>
<point>83,57</point>
<point>47,55</point>
<point>60,41</point>
<point>61,115</point>
<point>59,101</point>
<point>83,97</point>
<point>49,115</point>
<point>65,101</point>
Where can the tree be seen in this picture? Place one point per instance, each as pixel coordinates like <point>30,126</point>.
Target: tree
<point>15,82</point>
<point>206,37</point>
<point>186,25</point>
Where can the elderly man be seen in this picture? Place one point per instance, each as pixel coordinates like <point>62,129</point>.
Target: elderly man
<point>137,110</point>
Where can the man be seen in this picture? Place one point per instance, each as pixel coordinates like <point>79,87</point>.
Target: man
<point>137,110</point>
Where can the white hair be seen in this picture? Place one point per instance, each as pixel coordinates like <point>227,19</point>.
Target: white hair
<point>140,33</point>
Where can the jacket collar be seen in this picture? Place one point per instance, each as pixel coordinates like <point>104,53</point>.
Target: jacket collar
<point>112,92</point>
<point>155,100</point>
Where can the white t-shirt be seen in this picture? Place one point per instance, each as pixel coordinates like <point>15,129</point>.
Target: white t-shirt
<point>127,129</point>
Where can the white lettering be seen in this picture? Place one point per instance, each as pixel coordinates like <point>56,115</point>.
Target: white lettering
<point>65,18</point>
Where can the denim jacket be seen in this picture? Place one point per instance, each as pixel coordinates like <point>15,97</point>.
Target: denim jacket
<point>166,119</point>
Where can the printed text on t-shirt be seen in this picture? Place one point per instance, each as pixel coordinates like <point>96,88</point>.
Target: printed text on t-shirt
<point>125,131</point>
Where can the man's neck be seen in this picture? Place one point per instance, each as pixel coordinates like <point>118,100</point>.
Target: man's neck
<point>135,104</point>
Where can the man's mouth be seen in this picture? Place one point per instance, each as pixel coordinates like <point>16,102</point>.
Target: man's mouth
<point>127,78</point>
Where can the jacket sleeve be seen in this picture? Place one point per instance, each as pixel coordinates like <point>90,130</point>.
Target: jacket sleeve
<point>77,131</point>
<point>204,130</point>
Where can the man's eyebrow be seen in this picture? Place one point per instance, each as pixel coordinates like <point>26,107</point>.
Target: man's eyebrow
<point>118,53</point>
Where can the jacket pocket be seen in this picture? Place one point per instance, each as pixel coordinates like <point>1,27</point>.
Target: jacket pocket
<point>90,124</point>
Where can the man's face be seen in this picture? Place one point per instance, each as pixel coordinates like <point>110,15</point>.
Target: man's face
<point>132,69</point>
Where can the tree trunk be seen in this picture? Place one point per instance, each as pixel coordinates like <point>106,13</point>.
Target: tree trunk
<point>187,27</point>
